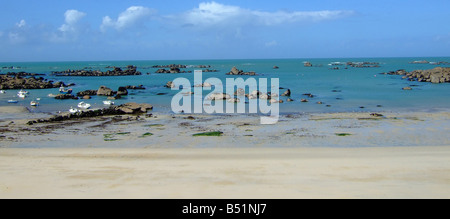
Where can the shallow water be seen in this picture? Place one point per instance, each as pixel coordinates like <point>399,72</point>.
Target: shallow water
<point>346,90</point>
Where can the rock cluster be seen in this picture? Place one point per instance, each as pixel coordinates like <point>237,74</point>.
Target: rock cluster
<point>172,70</point>
<point>235,71</point>
<point>128,108</point>
<point>22,74</point>
<point>435,75</point>
<point>131,70</point>
<point>18,82</point>
<point>65,97</point>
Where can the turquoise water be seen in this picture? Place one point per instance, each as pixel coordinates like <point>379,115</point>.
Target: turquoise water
<point>357,87</point>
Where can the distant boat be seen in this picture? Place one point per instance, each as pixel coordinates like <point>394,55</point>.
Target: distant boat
<point>2,92</point>
<point>52,95</point>
<point>73,110</point>
<point>64,91</point>
<point>34,103</point>
<point>13,101</point>
<point>108,102</point>
<point>22,94</point>
<point>84,105</point>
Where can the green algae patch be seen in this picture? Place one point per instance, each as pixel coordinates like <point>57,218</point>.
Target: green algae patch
<point>208,134</point>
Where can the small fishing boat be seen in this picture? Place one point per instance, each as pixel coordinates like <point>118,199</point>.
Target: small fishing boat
<point>84,105</point>
<point>22,94</point>
<point>34,103</point>
<point>63,90</point>
<point>52,95</point>
<point>108,102</point>
<point>73,110</point>
<point>13,101</point>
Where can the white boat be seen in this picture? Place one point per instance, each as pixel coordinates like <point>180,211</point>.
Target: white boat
<point>2,92</point>
<point>84,105</point>
<point>13,101</point>
<point>108,102</point>
<point>73,110</point>
<point>63,90</point>
<point>52,95</point>
<point>22,94</point>
<point>34,103</point>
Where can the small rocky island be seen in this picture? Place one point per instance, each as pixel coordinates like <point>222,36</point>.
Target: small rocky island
<point>436,75</point>
<point>18,82</point>
<point>235,71</point>
<point>131,70</point>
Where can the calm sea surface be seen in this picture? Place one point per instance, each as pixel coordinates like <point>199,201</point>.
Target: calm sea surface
<point>345,90</point>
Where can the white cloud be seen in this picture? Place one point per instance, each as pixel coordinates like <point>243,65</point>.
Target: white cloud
<point>72,17</point>
<point>21,24</point>
<point>131,17</point>
<point>271,43</point>
<point>213,13</point>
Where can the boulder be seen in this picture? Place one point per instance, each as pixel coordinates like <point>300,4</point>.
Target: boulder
<point>234,100</point>
<point>170,84</point>
<point>122,91</point>
<point>131,108</point>
<point>65,97</point>
<point>287,93</point>
<point>219,96</point>
<point>87,93</point>
<point>105,91</point>
<point>239,92</point>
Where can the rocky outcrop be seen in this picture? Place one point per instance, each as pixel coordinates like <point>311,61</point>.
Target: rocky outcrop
<point>18,82</point>
<point>170,84</point>
<point>105,91</point>
<point>287,93</point>
<point>87,93</point>
<point>131,87</point>
<point>435,75</point>
<point>23,74</point>
<point>128,108</point>
<point>131,70</point>
<point>132,108</point>
<point>172,70</point>
<point>170,66</point>
<point>307,64</point>
<point>235,71</point>
<point>219,96</point>
<point>65,97</point>
<point>122,91</point>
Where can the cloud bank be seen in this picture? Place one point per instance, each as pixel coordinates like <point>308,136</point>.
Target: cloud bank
<point>210,14</point>
<point>133,16</point>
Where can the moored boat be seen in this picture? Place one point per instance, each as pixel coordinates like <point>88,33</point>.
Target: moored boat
<point>34,103</point>
<point>73,110</point>
<point>84,105</point>
<point>108,102</point>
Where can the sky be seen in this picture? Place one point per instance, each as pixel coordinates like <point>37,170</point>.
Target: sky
<point>81,30</point>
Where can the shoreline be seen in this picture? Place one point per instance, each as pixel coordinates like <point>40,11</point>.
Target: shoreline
<point>161,130</point>
<point>267,173</point>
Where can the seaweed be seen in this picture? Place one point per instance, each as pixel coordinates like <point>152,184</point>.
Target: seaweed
<point>208,134</point>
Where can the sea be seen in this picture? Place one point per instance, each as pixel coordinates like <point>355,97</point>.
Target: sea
<point>340,88</point>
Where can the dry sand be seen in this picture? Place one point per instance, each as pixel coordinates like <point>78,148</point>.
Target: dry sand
<point>388,172</point>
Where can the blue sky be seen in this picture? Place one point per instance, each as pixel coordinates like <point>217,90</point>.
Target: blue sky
<point>62,30</point>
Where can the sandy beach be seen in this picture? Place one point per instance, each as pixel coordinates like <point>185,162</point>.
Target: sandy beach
<point>392,172</point>
<point>329,155</point>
